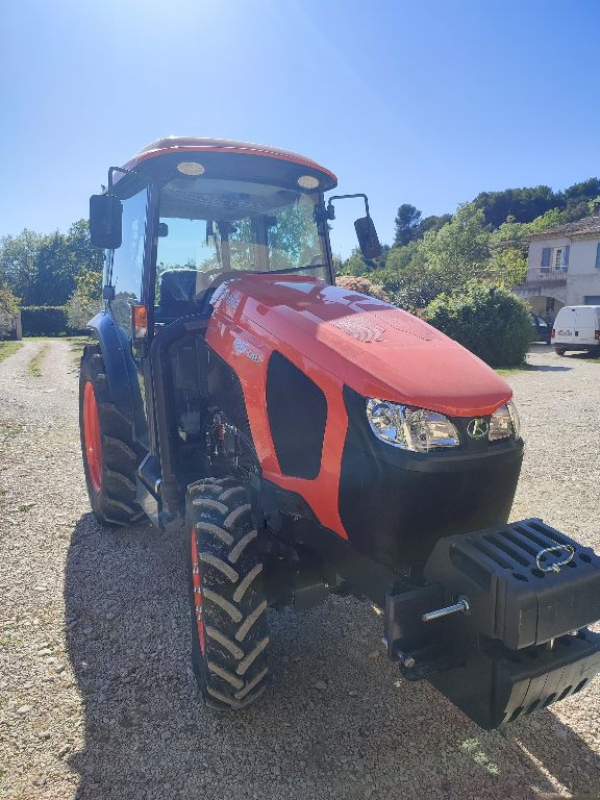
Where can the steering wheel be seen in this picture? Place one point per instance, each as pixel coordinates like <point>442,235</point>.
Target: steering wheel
<point>226,276</point>
<point>222,277</point>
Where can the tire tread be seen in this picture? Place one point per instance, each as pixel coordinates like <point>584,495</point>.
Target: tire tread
<point>233,670</point>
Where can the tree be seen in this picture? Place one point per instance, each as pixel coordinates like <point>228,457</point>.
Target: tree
<point>86,301</point>
<point>444,261</point>
<point>338,264</point>
<point>18,261</point>
<point>357,265</point>
<point>55,279</point>
<point>523,204</point>
<point>82,252</point>
<point>401,263</point>
<point>460,251</point>
<point>407,222</point>
<point>9,305</point>
<point>432,223</point>
<point>585,190</point>
<point>362,285</point>
<point>42,269</point>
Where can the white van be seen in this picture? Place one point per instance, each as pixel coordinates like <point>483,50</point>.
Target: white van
<point>577,328</point>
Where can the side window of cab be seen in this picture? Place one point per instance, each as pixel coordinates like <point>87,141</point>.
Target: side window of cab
<point>126,265</point>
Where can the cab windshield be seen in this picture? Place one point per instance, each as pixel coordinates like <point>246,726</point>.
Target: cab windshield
<point>211,227</point>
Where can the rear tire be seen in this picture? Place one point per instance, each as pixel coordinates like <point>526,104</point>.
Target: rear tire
<point>560,351</point>
<point>108,449</point>
<point>229,628</point>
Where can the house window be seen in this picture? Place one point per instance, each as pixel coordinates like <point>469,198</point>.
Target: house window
<point>546,255</point>
<point>556,259</point>
<point>558,255</point>
<point>598,256</point>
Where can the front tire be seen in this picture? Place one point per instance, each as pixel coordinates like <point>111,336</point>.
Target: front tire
<point>229,628</point>
<point>107,446</point>
<point>560,351</point>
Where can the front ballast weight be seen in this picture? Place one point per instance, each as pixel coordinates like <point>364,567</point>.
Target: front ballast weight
<point>500,625</point>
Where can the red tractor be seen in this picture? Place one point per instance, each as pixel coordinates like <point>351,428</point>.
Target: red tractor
<point>313,440</point>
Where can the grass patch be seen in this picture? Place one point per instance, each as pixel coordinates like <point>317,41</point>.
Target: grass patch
<point>10,428</point>
<point>77,345</point>
<point>62,337</point>
<point>505,371</point>
<point>35,365</point>
<point>9,349</point>
<point>79,342</point>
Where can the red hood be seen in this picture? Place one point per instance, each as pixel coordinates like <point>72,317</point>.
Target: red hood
<point>373,347</point>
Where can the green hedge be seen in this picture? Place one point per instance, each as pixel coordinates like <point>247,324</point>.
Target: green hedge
<point>44,320</point>
<point>491,322</point>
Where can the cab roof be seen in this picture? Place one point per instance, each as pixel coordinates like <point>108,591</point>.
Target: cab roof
<point>185,145</point>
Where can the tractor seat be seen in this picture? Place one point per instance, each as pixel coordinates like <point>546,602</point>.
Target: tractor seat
<point>178,296</point>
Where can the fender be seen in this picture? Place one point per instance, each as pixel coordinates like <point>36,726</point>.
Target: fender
<point>121,372</point>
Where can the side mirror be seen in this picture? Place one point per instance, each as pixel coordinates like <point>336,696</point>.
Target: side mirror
<point>106,221</point>
<point>367,238</point>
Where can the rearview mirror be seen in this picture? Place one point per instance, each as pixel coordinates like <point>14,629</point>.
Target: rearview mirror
<point>367,238</point>
<point>106,218</point>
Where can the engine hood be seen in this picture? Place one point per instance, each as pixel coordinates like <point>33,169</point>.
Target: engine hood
<point>371,346</point>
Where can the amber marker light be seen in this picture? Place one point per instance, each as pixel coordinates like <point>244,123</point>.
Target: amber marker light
<point>140,322</point>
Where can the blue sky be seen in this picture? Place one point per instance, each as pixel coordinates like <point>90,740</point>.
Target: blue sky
<point>427,103</point>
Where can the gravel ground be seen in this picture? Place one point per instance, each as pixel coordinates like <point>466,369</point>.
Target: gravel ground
<point>97,699</point>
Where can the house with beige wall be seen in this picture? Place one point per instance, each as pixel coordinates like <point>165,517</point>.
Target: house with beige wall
<point>563,267</point>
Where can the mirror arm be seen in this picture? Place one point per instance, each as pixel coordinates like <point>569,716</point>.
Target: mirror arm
<point>331,210</point>
<point>112,171</point>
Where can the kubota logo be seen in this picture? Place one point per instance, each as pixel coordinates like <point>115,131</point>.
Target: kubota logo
<point>477,428</point>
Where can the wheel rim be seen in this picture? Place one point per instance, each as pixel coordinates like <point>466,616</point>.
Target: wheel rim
<point>197,586</point>
<point>91,434</point>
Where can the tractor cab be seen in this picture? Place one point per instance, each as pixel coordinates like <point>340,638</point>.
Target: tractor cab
<point>178,220</point>
<point>185,215</point>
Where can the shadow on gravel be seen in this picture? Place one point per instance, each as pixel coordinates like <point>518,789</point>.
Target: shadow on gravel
<point>547,368</point>
<point>582,356</point>
<point>337,722</point>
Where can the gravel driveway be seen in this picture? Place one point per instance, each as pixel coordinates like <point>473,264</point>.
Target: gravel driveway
<point>97,699</point>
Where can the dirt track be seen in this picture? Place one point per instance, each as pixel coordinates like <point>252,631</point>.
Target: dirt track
<point>96,695</point>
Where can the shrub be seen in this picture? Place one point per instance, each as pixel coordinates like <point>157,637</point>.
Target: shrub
<point>44,320</point>
<point>9,307</point>
<point>491,322</point>
<point>362,285</point>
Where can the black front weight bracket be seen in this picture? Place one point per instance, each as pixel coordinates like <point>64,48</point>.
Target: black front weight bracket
<point>500,628</point>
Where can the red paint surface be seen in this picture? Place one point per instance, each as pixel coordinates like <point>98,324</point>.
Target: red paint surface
<point>340,337</point>
<point>91,435</point>
<point>197,585</point>
<point>187,145</point>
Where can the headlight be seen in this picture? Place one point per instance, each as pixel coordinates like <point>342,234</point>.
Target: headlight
<point>504,423</point>
<point>410,428</point>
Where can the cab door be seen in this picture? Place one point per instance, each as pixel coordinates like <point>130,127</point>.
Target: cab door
<point>126,277</point>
